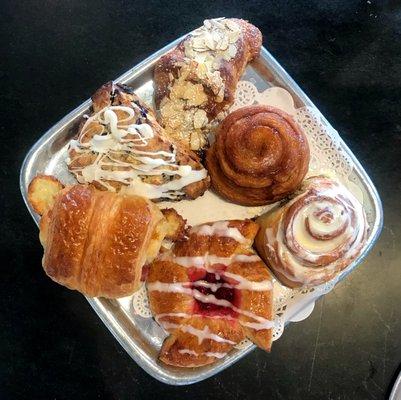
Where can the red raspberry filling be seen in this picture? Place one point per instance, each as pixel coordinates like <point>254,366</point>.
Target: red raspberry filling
<point>222,293</point>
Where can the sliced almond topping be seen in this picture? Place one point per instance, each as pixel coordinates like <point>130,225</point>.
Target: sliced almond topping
<point>207,24</point>
<point>200,119</point>
<point>210,42</point>
<point>232,50</point>
<point>220,96</point>
<point>219,25</point>
<point>223,45</point>
<point>232,25</point>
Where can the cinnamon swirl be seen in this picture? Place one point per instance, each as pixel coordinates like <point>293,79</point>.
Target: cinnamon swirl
<point>259,157</point>
<point>314,236</point>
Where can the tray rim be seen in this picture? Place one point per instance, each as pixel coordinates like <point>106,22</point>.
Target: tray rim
<point>133,350</point>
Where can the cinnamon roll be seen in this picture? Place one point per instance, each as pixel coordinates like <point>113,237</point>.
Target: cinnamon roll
<point>259,157</point>
<point>314,236</point>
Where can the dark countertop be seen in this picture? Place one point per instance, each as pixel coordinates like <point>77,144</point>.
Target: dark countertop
<point>346,55</point>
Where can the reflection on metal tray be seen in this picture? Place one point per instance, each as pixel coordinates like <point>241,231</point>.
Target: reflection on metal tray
<point>138,335</point>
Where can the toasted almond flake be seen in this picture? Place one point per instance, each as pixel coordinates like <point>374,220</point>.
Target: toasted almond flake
<point>230,24</point>
<point>220,96</point>
<point>198,41</point>
<point>217,36</point>
<point>207,24</point>
<point>232,51</point>
<point>223,45</point>
<point>197,140</point>
<point>219,25</point>
<point>210,41</point>
<point>200,119</point>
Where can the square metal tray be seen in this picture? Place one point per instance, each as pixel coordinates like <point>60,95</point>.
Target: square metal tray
<point>47,156</point>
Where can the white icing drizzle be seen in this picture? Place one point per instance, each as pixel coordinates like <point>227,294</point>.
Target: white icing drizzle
<point>170,287</point>
<point>263,324</point>
<point>220,228</point>
<point>120,138</point>
<point>184,287</point>
<point>185,315</point>
<point>203,334</point>
<point>207,353</point>
<point>208,260</point>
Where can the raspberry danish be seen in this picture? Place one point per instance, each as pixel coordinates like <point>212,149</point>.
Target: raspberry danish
<point>314,236</point>
<point>259,157</point>
<point>209,292</point>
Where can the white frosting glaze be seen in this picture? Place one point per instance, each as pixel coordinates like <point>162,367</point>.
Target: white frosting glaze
<point>208,260</point>
<point>207,353</point>
<point>158,317</point>
<point>220,228</point>
<point>184,287</point>
<point>202,335</point>
<point>211,299</point>
<point>120,138</point>
<point>261,324</point>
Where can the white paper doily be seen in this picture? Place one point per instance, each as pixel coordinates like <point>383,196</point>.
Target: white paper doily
<point>327,155</point>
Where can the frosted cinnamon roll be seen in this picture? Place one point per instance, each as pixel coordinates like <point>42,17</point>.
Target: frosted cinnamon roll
<point>314,236</point>
<point>259,157</point>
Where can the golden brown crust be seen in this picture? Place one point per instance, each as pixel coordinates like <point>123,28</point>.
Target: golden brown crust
<point>41,192</point>
<point>176,68</point>
<point>179,312</point>
<point>309,240</point>
<point>111,94</point>
<point>271,220</point>
<point>176,224</point>
<point>259,157</point>
<point>96,242</point>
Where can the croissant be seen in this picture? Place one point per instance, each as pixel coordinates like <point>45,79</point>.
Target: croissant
<point>122,145</point>
<point>96,241</point>
<point>314,236</point>
<point>259,157</point>
<point>210,291</point>
<point>197,80</point>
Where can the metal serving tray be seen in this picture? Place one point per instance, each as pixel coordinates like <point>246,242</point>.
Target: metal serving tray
<point>47,156</point>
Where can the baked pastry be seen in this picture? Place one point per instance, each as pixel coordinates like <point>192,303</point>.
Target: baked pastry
<point>260,156</point>
<point>96,241</point>
<point>210,291</point>
<point>197,80</point>
<point>122,145</point>
<point>313,237</point>
<point>42,191</point>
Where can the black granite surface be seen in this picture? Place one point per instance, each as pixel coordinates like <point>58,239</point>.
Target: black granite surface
<point>346,55</point>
